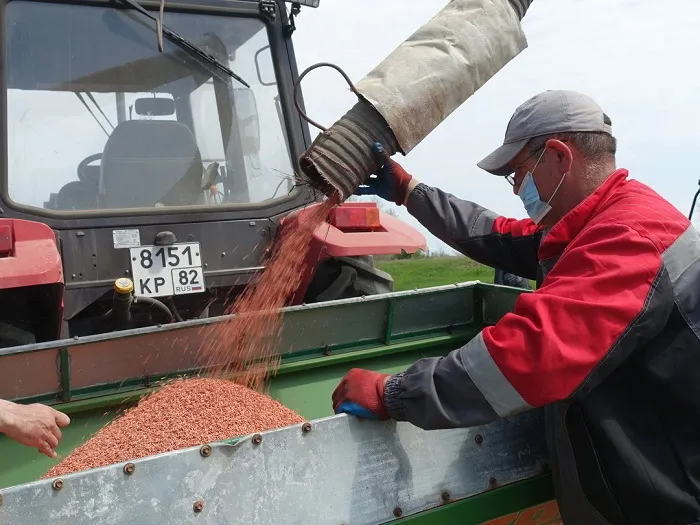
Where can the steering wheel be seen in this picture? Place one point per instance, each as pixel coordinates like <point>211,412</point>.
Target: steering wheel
<point>84,164</point>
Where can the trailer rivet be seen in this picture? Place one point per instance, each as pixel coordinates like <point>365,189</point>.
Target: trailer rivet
<point>492,481</point>
<point>57,484</point>
<point>257,439</point>
<point>205,450</point>
<point>479,439</point>
<point>398,512</point>
<point>306,427</point>
<point>198,505</point>
<point>129,468</point>
<point>445,496</point>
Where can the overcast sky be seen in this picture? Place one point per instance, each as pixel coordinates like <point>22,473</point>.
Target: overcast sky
<point>637,58</point>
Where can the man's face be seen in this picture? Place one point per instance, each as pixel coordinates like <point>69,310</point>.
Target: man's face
<point>547,165</point>
<point>524,162</point>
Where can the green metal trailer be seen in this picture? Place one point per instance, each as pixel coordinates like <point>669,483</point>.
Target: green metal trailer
<point>335,469</point>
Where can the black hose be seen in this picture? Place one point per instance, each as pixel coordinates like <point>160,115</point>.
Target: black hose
<point>692,206</point>
<point>157,304</point>
<point>173,309</point>
<point>341,158</point>
<point>520,7</point>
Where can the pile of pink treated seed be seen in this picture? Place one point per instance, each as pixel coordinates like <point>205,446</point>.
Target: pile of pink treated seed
<point>184,413</point>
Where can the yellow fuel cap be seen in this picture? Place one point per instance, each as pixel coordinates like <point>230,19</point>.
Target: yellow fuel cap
<point>124,285</point>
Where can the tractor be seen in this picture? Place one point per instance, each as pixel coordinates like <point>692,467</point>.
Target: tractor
<point>150,160</point>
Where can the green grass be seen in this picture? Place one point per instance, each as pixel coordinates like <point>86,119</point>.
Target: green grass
<point>409,274</point>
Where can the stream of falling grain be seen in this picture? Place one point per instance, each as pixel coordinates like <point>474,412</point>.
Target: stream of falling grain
<point>244,349</point>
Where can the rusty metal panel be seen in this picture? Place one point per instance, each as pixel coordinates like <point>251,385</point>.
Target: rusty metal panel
<point>146,354</point>
<point>32,374</point>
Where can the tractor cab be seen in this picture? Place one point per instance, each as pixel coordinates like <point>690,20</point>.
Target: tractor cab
<point>99,120</point>
<point>158,149</point>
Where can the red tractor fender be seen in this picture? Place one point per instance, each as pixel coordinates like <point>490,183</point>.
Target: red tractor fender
<point>28,254</point>
<point>354,229</point>
<point>31,278</point>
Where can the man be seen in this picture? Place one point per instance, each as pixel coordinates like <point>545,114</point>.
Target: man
<point>608,343</point>
<point>34,425</point>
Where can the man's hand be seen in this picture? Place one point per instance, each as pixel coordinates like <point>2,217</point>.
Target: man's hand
<point>391,182</point>
<point>361,393</point>
<point>33,425</point>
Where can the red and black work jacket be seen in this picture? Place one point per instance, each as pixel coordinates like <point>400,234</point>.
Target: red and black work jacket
<point>608,344</point>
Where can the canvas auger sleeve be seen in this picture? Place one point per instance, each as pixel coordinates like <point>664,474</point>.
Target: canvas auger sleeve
<point>478,233</point>
<point>608,294</point>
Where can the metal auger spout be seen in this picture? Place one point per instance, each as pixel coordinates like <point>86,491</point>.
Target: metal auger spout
<point>415,88</point>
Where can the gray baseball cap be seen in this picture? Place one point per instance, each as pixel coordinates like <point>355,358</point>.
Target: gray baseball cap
<point>553,111</point>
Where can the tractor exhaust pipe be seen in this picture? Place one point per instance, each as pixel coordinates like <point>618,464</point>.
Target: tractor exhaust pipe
<point>413,90</point>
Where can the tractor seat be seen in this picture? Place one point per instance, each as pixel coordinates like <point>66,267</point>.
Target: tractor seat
<point>142,162</point>
<point>78,195</point>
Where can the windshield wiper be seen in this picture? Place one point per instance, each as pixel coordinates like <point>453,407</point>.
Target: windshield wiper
<point>186,44</point>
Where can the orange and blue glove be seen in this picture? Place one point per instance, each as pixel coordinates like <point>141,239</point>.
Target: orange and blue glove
<point>361,393</point>
<point>390,182</point>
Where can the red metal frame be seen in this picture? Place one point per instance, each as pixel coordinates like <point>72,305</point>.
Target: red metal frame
<point>391,237</point>
<point>28,254</point>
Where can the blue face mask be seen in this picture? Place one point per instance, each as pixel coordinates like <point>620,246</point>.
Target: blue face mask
<point>536,208</point>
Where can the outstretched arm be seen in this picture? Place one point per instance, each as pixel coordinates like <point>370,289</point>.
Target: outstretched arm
<point>561,341</point>
<point>473,230</point>
<point>477,232</point>
<point>34,425</point>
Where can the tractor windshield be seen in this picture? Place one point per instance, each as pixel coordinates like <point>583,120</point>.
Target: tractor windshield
<point>98,118</point>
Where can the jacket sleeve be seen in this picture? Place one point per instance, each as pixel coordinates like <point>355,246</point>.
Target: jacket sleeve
<point>607,295</point>
<point>478,233</point>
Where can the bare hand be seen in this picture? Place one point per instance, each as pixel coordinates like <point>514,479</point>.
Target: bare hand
<point>34,425</point>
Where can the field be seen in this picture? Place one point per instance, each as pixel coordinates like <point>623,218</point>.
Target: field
<point>425,272</point>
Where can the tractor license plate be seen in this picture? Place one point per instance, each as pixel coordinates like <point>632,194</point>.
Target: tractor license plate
<point>160,271</point>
